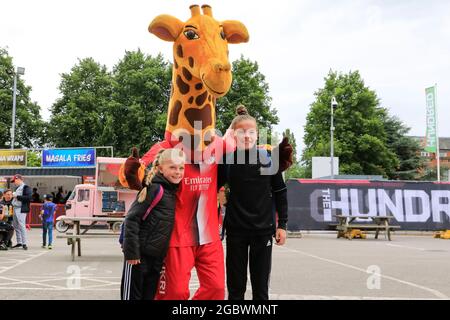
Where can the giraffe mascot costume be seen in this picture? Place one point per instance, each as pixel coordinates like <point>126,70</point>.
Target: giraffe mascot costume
<point>201,73</point>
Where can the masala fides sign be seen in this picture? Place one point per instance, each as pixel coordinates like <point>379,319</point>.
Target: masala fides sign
<point>82,157</point>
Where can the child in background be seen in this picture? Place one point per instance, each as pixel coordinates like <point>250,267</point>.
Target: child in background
<point>250,220</point>
<point>147,233</point>
<point>47,216</point>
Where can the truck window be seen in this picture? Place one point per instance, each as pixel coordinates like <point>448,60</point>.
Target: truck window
<point>83,195</point>
<point>72,195</point>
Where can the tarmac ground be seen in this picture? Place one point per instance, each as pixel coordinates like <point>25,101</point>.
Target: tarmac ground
<point>313,267</point>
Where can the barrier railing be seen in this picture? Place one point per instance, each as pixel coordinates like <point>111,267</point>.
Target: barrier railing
<point>33,219</point>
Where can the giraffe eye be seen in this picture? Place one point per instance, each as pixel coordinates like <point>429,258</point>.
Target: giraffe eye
<point>222,34</point>
<point>191,34</point>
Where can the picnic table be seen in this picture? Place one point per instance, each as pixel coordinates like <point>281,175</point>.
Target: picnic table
<point>75,236</point>
<point>379,223</point>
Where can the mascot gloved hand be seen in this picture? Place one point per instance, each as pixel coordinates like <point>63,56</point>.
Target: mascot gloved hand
<point>132,172</point>
<point>285,151</point>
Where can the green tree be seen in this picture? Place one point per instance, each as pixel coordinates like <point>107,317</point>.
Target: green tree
<point>430,173</point>
<point>33,159</point>
<point>79,116</point>
<point>249,87</point>
<point>141,96</point>
<point>360,135</point>
<point>407,149</point>
<point>30,128</point>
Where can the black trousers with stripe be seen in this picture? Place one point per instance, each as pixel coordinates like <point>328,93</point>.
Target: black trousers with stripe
<point>256,252</point>
<point>139,282</point>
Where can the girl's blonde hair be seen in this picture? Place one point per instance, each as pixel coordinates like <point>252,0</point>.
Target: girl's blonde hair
<point>242,115</point>
<point>163,155</point>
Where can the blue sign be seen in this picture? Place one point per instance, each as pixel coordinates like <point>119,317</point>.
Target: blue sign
<point>83,157</point>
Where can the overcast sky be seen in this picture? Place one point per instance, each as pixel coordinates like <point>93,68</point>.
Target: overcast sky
<point>399,46</point>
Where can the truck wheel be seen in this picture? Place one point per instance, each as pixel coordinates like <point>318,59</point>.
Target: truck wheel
<point>61,226</point>
<point>116,227</point>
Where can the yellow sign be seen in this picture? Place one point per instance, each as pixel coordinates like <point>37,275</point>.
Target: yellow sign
<point>13,158</point>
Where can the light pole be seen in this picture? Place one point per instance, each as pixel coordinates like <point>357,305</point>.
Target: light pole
<point>333,106</point>
<point>21,71</point>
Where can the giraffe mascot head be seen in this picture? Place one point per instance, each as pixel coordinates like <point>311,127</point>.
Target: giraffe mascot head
<point>201,72</point>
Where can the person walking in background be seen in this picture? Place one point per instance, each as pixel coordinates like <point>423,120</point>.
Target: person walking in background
<point>35,197</point>
<point>6,220</point>
<point>47,215</point>
<point>21,203</point>
<point>59,198</point>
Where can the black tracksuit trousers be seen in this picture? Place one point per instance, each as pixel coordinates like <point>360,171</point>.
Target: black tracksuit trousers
<point>240,251</point>
<point>139,282</point>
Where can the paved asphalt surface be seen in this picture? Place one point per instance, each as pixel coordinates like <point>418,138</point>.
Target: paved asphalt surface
<point>316,266</point>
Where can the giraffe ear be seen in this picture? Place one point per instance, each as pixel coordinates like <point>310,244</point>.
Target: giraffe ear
<point>235,31</point>
<point>166,27</point>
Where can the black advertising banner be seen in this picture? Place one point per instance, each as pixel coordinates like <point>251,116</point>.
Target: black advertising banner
<point>415,205</point>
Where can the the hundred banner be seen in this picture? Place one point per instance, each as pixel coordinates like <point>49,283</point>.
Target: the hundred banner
<point>431,138</point>
<point>13,158</point>
<point>414,205</point>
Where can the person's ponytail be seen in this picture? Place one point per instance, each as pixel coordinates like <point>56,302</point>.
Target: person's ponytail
<point>150,175</point>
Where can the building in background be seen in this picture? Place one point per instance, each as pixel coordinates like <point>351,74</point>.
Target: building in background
<point>444,152</point>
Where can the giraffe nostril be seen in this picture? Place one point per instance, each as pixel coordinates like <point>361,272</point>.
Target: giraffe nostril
<point>218,67</point>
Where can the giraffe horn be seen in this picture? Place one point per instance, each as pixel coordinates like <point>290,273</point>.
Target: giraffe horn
<point>195,10</point>
<point>207,10</point>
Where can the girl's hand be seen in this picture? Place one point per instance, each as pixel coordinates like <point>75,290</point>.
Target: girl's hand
<point>134,262</point>
<point>280,237</point>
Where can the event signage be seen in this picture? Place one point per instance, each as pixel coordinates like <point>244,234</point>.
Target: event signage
<point>431,138</point>
<point>313,204</point>
<point>82,157</point>
<point>13,158</point>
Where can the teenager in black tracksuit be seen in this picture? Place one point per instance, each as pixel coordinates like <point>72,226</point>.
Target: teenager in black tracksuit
<point>250,220</point>
<point>146,241</point>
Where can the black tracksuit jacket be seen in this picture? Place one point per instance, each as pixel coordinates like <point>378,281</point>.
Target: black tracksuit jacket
<point>150,237</point>
<point>254,198</point>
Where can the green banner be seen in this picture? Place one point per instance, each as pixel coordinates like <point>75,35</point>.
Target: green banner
<point>431,138</point>
<point>13,158</point>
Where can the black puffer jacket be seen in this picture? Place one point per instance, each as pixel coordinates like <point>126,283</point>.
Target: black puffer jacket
<point>150,237</point>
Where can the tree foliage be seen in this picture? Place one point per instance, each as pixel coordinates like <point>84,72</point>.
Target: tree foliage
<point>141,96</point>
<point>249,87</point>
<point>80,117</point>
<point>361,141</point>
<point>407,149</point>
<point>30,128</point>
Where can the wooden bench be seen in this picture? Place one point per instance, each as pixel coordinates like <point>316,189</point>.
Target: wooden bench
<point>345,225</point>
<point>73,239</point>
<point>76,235</point>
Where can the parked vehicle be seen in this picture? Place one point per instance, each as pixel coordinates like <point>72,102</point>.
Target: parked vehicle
<point>106,198</point>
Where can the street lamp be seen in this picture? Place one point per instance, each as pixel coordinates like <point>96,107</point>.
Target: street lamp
<point>20,71</point>
<point>334,105</point>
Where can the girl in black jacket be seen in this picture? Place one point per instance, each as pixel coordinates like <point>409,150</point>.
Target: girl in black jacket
<point>257,193</point>
<point>147,234</point>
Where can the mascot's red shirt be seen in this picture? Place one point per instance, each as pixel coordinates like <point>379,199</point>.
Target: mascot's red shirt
<point>196,218</point>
